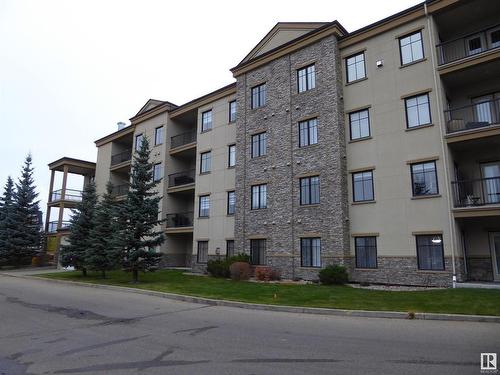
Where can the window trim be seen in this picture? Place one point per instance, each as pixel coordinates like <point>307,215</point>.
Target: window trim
<point>308,83</point>
<point>408,127</point>
<point>211,120</point>
<point>137,146</point>
<point>421,44</point>
<point>440,235</point>
<point>198,251</point>
<point>261,240</point>
<point>201,162</point>
<point>229,155</point>
<point>347,69</point>
<point>353,189</point>
<point>227,248</point>
<point>260,105</point>
<point>260,207</point>
<point>308,122</point>
<point>199,205</point>
<point>161,174</point>
<point>229,108</point>
<point>310,190</point>
<point>252,156</point>
<point>310,239</point>
<point>156,135</point>
<point>227,203</point>
<point>367,109</point>
<point>356,253</point>
<point>412,180</point>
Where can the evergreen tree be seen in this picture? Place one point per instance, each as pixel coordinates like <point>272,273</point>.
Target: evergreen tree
<point>103,254</point>
<point>27,232</point>
<point>139,217</point>
<point>81,225</point>
<point>7,222</point>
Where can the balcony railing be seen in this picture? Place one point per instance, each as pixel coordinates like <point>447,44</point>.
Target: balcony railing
<point>468,45</point>
<point>119,190</point>
<point>474,116</point>
<point>53,226</point>
<point>181,178</point>
<point>69,195</point>
<point>182,139</point>
<point>121,157</point>
<point>180,220</point>
<point>478,192</point>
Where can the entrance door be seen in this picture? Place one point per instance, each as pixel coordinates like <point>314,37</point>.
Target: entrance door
<point>495,254</point>
<point>491,182</point>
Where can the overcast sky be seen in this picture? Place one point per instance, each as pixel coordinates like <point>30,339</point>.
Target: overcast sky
<point>70,70</point>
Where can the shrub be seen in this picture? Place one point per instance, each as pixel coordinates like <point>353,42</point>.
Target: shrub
<point>266,273</point>
<point>218,268</point>
<point>239,258</point>
<point>335,274</point>
<point>240,271</point>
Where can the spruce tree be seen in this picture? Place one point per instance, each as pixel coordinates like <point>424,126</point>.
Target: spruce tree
<point>139,217</point>
<point>81,225</point>
<point>103,254</point>
<point>7,222</point>
<point>27,232</point>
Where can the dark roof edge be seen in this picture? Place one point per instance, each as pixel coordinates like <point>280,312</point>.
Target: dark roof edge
<point>91,163</point>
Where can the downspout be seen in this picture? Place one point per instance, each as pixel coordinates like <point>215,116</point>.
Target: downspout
<point>443,149</point>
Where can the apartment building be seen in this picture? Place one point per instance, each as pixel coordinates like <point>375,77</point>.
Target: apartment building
<point>378,149</point>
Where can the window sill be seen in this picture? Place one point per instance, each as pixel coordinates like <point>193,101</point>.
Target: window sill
<point>257,209</point>
<point>360,139</point>
<point>158,145</point>
<point>419,127</point>
<point>231,167</point>
<point>308,146</point>
<point>311,268</point>
<point>309,205</point>
<point>363,202</point>
<point>203,217</point>
<point>413,63</point>
<point>307,90</point>
<point>366,269</point>
<point>426,196</point>
<point>431,271</point>
<point>356,81</point>
<point>256,108</point>
<point>229,215</point>
<point>206,131</point>
<point>204,173</point>
<point>257,157</point>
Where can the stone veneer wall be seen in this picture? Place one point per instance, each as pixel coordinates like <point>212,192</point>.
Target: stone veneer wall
<point>480,268</point>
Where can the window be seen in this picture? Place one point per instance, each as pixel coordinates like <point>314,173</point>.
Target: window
<point>232,111</point>
<point>359,123</point>
<point>204,209</point>
<point>306,78</point>
<point>259,96</point>
<point>355,67</point>
<point>411,48</point>
<point>418,111</point>
<point>362,186</point>
<point>310,252</point>
<point>430,252</point>
<point>159,136</point>
<point>495,38</point>
<point>205,162</point>
<point>474,45</point>
<point>202,255</point>
<point>138,141</point>
<point>230,248</point>
<point>366,252</point>
<point>257,251</point>
<point>309,190</point>
<point>308,132</point>
<point>424,178</point>
<point>157,172</point>
<point>206,121</point>
<point>259,144</point>
<point>231,202</point>
<point>259,196</point>
<point>231,156</point>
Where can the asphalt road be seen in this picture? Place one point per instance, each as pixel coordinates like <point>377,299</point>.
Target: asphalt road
<point>48,328</point>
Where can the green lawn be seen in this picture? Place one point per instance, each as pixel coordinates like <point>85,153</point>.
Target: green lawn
<point>456,301</point>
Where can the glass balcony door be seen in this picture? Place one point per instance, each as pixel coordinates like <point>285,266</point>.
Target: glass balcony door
<point>491,185</point>
<point>495,253</point>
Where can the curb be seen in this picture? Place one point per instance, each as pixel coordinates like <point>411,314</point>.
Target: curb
<point>279,308</point>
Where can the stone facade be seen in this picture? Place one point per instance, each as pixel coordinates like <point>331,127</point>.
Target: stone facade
<point>480,268</point>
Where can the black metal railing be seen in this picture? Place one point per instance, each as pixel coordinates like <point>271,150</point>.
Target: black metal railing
<point>52,227</point>
<point>182,139</point>
<point>121,157</point>
<point>69,195</point>
<point>468,45</point>
<point>181,178</point>
<point>478,192</point>
<point>473,116</point>
<point>119,190</point>
<point>179,220</point>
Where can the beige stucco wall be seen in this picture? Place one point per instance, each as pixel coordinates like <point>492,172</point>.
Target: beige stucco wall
<point>102,174</point>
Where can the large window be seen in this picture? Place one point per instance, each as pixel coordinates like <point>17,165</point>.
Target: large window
<point>231,202</point>
<point>204,203</point>
<point>138,141</point>
<point>259,196</point>
<point>355,67</point>
<point>309,190</point>
<point>362,186</point>
<point>259,144</point>
<point>424,178</point>
<point>359,123</point>
<point>230,248</point>
<point>366,252</point>
<point>418,111</point>
<point>202,254</point>
<point>308,132</point>
<point>411,48</point>
<point>430,252</point>
<point>259,96</point>
<point>258,252</point>
<point>157,172</point>
<point>159,136</point>
<point>205,162</point>
<point>306,78</point>
<point>310,252</point>
<point>232,111</point>
<point>206,121</point>
<point>231,156</point>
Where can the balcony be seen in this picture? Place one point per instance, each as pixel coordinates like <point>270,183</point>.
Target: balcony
<point>180,222</point>
<point>52,227</point>
<point>120,190</point>
<point>121,157</point>
<point>67,195</point>
<point>182,139</point>
<point>469,46</point>
<point>476,194</point>
<point>474,117</point>
<point>181,179</point>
